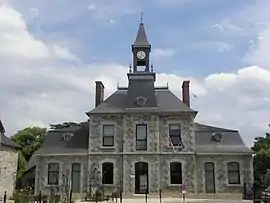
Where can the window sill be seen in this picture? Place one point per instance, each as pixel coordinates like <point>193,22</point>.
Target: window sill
<point>234,185</point>
<point>174,185</point>
<point>108,185</point>
<point>107,147</point>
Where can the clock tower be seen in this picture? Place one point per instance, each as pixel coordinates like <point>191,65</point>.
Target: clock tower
<point>141,49</point>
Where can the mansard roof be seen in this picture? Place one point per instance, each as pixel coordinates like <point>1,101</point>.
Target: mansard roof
<point>231,141</point>
<point>165,101</point>
<point>56,143</point>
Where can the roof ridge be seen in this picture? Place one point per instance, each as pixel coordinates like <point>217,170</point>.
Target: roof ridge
<point>209,128</point>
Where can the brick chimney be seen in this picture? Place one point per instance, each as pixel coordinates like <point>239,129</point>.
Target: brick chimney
<point>99,92</point>
<point>185,93</point>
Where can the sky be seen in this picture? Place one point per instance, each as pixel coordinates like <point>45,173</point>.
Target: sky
<point>51,52</point>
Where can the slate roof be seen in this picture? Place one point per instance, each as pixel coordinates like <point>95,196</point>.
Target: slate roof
<point>2,129</point>
<point>6,141</point>
<point>230,142</point>
<point>55,144</point>
<point>141,39</point>
<point>166,101</point>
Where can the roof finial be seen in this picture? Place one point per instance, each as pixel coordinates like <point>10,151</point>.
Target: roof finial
<point>142,17</point>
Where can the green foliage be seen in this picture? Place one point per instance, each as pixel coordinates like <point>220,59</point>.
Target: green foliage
<point>262,159</point>
<point>30,139</point>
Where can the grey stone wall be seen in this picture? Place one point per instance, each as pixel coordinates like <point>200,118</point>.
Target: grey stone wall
<point>221,175</point>
<point>65,163</point>
<point>8,170</point>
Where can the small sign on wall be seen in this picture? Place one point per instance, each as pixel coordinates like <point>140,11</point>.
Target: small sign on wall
<point>132,175</point>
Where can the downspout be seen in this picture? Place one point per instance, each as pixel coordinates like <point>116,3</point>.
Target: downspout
<point>159,173</point>
<point>122,157</point>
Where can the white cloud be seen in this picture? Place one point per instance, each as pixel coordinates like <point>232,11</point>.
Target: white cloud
<point>163,53</point>
<point>38,92</point>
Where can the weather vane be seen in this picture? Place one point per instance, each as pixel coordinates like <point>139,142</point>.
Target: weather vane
<point>142,14</point>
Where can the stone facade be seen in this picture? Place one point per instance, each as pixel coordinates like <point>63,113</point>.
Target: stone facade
<point>158,156</point>
<point>8,170</point>
<point>65,163</point>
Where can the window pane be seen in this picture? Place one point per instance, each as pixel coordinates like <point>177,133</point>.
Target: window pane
<point>141,144</point>
<point>53,173</point>
<point>141,131</point>
<point>108,130</point>
<point>176,140</point>
<point>234,178</point>
<point>209,166</point>
<point>108,141</point>
<point>53,166</point>
<point>107,173</point>
<point>176,173</point>
<point>233,166</point>
<point>174,129</point>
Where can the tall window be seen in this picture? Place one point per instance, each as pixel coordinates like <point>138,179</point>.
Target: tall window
<point>107,173</point>
<point>233,173</point>
<point>175,134</point>
<point>176,173</point>
<point>108,135</point>
<point>76,177</point>
<point>141,137</point>
<point>53,174</point>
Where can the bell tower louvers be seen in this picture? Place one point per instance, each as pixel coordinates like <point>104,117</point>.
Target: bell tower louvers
<point>141,89</point>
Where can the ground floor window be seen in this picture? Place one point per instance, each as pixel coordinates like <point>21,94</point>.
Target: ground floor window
<point>176,173</point>
<point>233,173</point>
<point>107,173</point>
<point>53,173</point>
<point>76,177</point>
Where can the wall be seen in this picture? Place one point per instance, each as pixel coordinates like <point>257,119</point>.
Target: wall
<point>65,163</point>
<point>221,178</point>
<point>8,170</point>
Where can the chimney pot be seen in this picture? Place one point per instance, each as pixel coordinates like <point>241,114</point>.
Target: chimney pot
<point>99,92</point>
<point>185,92</point>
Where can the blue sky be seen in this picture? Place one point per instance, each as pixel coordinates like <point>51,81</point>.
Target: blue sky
<point>53,51</point>
<point>184,26</point>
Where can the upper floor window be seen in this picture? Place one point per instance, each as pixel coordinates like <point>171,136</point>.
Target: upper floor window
<point>108,135</point>
<point>233,173</point>
<point>53,173</point>
<point>141,137</point>
<point>107,173</point>
<point>176,173</point>
<point>175,134</point>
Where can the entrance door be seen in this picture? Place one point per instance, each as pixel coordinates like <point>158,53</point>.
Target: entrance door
<point>141,178</point>
<point>209,169</point>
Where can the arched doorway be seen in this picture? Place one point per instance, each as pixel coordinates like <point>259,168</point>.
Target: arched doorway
<point>141,177</point>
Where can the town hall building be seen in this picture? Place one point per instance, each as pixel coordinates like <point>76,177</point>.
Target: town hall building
<point>142,139</point>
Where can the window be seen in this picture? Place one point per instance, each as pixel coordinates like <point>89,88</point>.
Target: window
<point>233,173</point>
<point>107,173</point>
<point>76,177</point>
<point>175,134</point>
<point>108,135</point>
<point>176,173</point>
<point>141,137</point>
<point>53,174</point>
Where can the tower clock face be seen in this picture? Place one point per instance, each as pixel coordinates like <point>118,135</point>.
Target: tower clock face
<point>141,54</point>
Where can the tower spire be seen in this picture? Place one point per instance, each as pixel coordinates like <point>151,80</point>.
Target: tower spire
<point>141,38</point>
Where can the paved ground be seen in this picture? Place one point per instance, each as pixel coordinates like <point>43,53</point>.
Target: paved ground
<point>177,200</point>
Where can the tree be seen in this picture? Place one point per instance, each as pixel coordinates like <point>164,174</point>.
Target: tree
<point>30,139</point>
<point>262,159</point>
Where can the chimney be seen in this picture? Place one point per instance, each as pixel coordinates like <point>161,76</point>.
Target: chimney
<point>185,93</point>
<point>99,92</point>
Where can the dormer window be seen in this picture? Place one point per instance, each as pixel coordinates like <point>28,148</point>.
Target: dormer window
<point>67,136</point>
<point>217,137</point>
<point>140,100</point>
